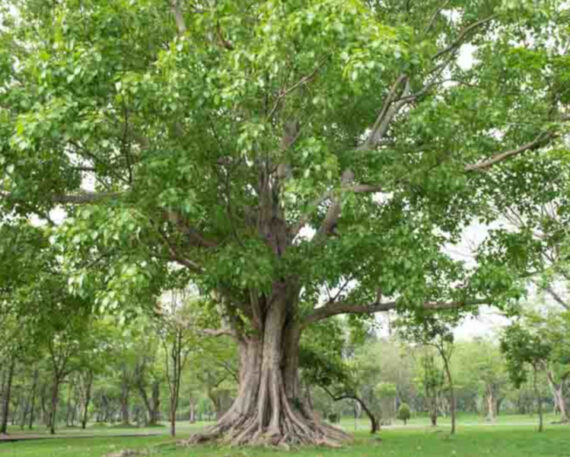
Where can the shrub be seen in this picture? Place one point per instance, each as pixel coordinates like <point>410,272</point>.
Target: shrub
<point>404,413</point>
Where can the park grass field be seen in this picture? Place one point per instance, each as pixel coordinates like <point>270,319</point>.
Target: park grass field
<point>505,439</point>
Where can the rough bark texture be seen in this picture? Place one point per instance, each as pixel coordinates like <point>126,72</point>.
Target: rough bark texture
<point>268,408</point>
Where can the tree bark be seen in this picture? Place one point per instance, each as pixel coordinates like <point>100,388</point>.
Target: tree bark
<point>268,408</point>
<point>7,392</point>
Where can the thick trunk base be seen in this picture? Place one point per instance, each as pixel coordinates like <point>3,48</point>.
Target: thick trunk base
<point>295,428</point>
<point>268,410</point>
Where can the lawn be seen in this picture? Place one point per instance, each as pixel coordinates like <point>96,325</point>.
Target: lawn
<point>471,441</point>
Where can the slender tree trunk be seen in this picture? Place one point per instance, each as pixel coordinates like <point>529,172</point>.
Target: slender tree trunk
<point>7,392</point>
<point>451,392</point>
<point>374,424</point>
<point>490,404</point>
<point>558,395</point>
<point>125,419</point>
<point>33,400</point>
<point>268,408</point>
<point>86,399</point>
<point>498,404</point>
<point>538,400</point>
<point>68,406</point>
<point>192,408</point>
<point>54,400</point>
<point>431,395</point>
<point>16,410</point>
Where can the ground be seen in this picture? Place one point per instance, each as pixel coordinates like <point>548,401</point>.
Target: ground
<point>512,436</point>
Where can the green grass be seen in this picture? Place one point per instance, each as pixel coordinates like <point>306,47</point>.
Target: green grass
<point>471,441</point>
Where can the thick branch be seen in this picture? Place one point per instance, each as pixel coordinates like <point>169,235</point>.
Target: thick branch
<point>333,309</point>
<point>435,15</point>
<point>74,199</point>
<point>534,144</point>
<point>459,40</point>
<point>556,297</point>
<point>304,219</point>
<point>218,332</point>
<point>194,236</point>
<point>177,257</point>
<point>387,113</point>
<point>178,17</point>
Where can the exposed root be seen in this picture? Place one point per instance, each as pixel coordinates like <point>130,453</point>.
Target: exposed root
<point>294,429</point>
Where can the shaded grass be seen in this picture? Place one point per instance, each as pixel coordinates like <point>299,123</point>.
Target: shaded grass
<point>521,441</point>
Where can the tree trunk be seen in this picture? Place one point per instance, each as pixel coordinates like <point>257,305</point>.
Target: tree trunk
<point>33,400</point>
<point>558,394</point>
<point>490,405</point>
<point>498,404</point>
<point>155,403</point>
<point>538,400</point>
<point>54,400</point>
<point>86,399</point>
<point>68,406</point>
<point>125,404</point>
<point>6,402</point>
<point>374,425</point>
<point>451,393</point>
<point>268,408</point>
<point>433,412</point>
<point>192,415</point>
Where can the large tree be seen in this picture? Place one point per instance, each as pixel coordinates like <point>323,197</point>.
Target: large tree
<point>278,149</point>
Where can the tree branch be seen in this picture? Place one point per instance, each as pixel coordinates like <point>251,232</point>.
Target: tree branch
<point>333,309</point>
<point>178,17</point>
<point>284,92</point>
<point>387,113</point>
<point>74,199</point>
<point>217,332</point>
<point>174,255</point>
<point>459,40</point>
<point>534,144</point>
<point>555,295</point>
<point>194,236</point>
<point>434,16</point>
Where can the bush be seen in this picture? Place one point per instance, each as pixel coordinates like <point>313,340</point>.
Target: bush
<point>334,418</point>
<point>404,413</point>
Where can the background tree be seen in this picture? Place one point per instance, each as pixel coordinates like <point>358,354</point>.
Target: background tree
<point>431,379</point>
<point>524,349</point>
<point>438,334</point>
<point>178,335</point>
<point>404,413</point>
<point>486,373</point>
